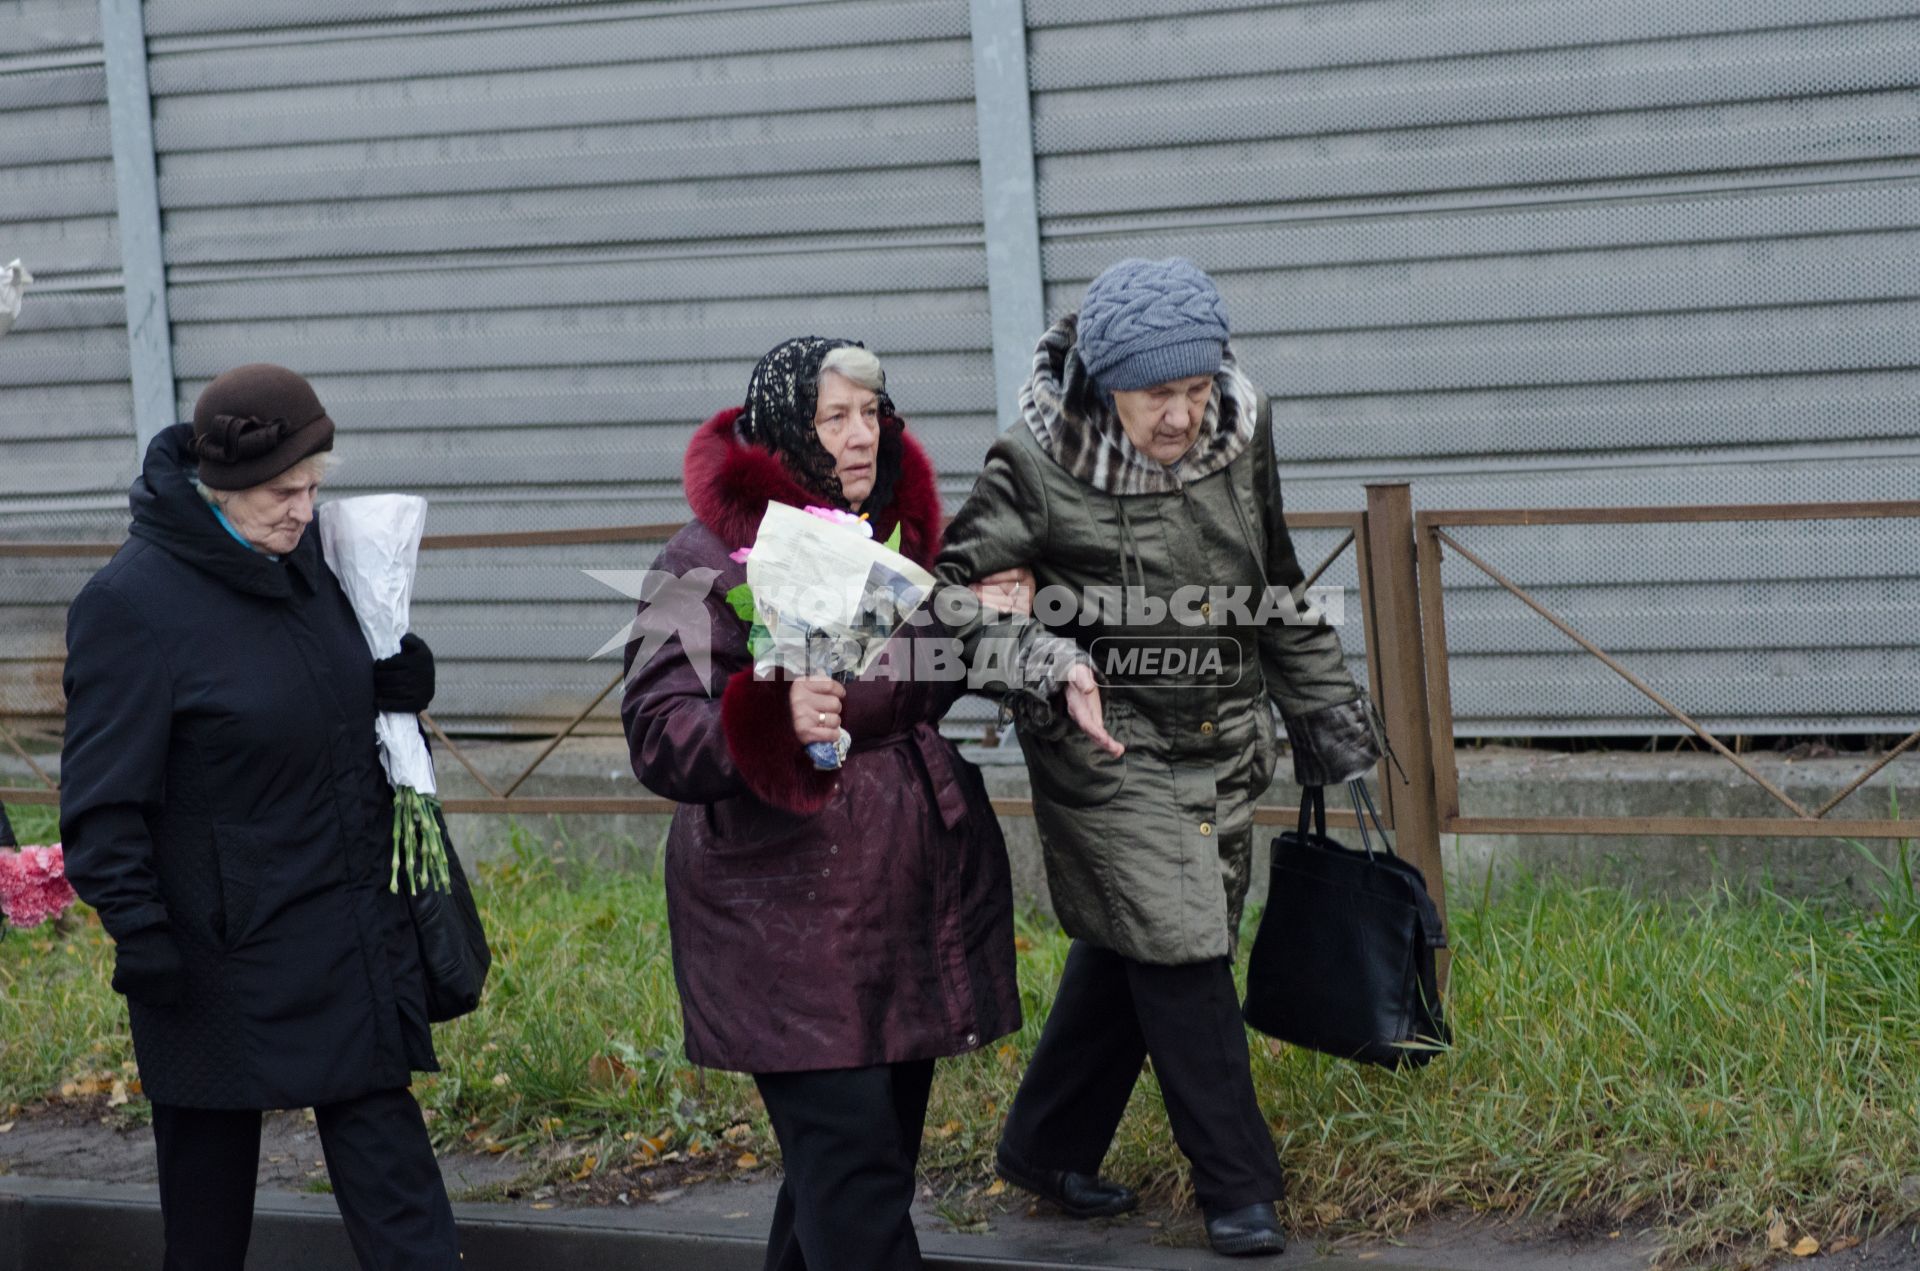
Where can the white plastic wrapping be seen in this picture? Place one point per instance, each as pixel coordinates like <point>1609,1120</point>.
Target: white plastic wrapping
<point>13,285</point>
<point>372,544</point>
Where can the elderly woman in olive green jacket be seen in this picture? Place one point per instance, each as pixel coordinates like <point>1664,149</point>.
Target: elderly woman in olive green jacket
<point>1142,471</point>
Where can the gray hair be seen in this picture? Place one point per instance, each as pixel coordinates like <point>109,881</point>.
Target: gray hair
<point>320,466</point>
<point>858,365</point>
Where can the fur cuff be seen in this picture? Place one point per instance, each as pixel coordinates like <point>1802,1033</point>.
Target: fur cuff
<point>758,724</point>
<point>1334,744</point>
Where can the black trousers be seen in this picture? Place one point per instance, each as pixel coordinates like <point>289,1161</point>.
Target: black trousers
<point>850,1138</point>
<point>1110,1014</point>
<point>384,1176</point>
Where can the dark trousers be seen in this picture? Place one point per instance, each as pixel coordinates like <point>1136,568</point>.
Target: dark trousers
<point>384,1176</point>
<point>850,1139</point>
<point>1110,1014</point>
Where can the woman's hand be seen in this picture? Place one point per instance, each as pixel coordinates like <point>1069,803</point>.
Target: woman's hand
<point>1083,705</point>
<point>816,704</point>
<point>1009,591</point>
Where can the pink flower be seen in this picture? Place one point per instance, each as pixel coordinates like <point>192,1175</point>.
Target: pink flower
<point>34,886</point>
<point>839,517</point>
<point>740,557</point>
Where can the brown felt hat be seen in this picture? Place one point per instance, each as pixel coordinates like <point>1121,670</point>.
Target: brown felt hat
<point>254,422</point>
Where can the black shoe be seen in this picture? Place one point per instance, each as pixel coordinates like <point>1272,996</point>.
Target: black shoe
<point>1080,1195</point>
<point>1254,1230</point>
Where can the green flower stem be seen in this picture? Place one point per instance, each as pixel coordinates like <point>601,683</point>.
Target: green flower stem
<point>419,848</point>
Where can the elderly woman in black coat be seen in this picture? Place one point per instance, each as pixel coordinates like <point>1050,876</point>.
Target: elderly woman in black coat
<point>224,809</point>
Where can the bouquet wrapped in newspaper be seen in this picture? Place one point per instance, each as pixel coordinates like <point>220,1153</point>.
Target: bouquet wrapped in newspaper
<point>372,544</point>
<point>823,598</point>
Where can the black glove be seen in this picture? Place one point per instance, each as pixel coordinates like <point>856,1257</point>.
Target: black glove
<point>147,967</point>
<point>404,682</point>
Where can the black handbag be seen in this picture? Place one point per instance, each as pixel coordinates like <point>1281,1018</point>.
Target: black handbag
<point>1344,958</point>
<point>453,945</point>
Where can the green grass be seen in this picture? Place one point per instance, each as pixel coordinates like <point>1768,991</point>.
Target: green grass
<point>1701,1067</point>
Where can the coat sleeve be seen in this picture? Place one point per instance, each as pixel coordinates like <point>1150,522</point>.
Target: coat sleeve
<point>1004,525</point>
<point>1329,721</point>
<point>700,728</point>
<point>113,763</point>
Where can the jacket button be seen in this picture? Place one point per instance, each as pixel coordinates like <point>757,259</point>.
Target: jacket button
<point>1206,728</point>
<point>809,895</point>
<point>825,872</point>
<point>834,850</point>
<point>973,1039</point>
<point>1206,829</point>
<point>1206,609</point>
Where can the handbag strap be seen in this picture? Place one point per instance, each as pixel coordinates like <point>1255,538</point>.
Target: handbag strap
<point>1361,796</point>
<point>1313,811</point>
<point>1432,930</point>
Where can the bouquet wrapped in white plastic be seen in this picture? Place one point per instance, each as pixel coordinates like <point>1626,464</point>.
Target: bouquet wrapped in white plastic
<point>372,544</point>
<point>13,285</point>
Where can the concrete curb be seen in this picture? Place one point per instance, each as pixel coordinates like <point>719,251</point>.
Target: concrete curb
<point>51,1225</point>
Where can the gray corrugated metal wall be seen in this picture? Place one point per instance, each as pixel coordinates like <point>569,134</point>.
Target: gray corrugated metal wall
<point>66,407</point>
<point>66,423</point>
<point>1549,254</point>
<point>1520,253</point>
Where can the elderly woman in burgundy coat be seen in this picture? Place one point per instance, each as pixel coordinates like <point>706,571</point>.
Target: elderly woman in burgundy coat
<point>834,933</point>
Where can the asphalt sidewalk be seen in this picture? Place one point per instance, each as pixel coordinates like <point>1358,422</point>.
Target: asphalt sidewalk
<point>78,1193</point>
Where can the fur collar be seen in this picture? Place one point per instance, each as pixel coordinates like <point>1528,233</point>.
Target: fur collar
<point>729,484</point>
<point>1075,422</point>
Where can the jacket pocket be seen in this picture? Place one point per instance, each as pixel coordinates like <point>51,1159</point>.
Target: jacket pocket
<point>238,868</point>
<point>1072,772</point>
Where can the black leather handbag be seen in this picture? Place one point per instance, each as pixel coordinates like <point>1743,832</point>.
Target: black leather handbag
<point>453,945</point>
<point>1344,958</point>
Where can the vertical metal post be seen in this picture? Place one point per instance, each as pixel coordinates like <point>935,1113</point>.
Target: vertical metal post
<point>1003,116</point>
<point>1400,678</point>
<point>123,39</point>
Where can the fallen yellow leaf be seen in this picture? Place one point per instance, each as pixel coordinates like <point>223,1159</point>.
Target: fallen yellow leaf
<point>543,1204</point>
<point>586,1168</point>
<point>5,1127</point>
<point>747,1160</point>
<point>118,1096</point>
<point>998,1187</point>
<point>1806,1247</point>
<point>1776,1231</point>
<point>1840,1245</point>
<point>605,1072</point>
<point>1022,945</point>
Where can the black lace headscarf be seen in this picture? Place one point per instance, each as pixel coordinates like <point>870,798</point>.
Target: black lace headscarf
<point>782,395</point>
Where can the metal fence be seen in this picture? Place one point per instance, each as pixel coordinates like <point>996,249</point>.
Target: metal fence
<point>1516,252</point>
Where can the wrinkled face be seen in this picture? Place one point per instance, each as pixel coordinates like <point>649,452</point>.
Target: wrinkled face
<point>1162,421</point>
<point>274,515</point>
<point>847,417</point>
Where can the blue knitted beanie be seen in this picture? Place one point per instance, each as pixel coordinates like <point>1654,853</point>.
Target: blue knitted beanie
<point>1146,322</point>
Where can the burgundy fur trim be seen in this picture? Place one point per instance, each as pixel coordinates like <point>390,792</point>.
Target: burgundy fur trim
<point>758,725</point>
<point>730,483</point>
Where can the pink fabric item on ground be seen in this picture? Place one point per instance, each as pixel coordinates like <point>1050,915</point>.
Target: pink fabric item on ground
<point>34,886</point>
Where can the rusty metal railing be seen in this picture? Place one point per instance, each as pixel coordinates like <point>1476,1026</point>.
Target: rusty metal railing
<point>503,797</point>
<point>1433,540</point>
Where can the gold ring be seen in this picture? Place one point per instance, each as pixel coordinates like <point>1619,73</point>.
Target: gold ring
<point>823,719</point>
